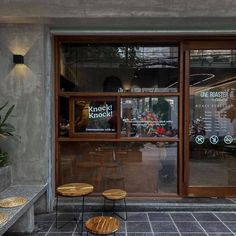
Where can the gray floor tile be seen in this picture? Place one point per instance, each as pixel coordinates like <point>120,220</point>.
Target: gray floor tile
<point>163,227</point>
<point>193,234</point>
<point>159,216</point>
<point>138,224</point>
<point>67,208</point>
<point>122,227</point>
<point>60,234</point>
<point>79,234</point>
<point>205,216</point>
<point>138,227</point>
<point>116,214</point>
<point>42,226</point>
<point>226,216</point>
<point>24,234</point>
<point>62,227</point>
<point>179,216</point>
<point>139,234</point>
<point>137,216</point>
<point>68,216</point>
<point>231,226</point>
<point>185,227</point>
<point>45,217</point>
<point>166,234</point>
<point>220,234</point>
<point>85,234</point>
<point>214,227</point>
<point>88,215</point>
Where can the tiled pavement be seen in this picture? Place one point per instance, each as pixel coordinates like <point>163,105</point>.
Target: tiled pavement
<point>195,223</point>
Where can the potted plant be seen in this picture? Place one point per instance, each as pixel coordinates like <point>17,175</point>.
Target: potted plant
<point>6,130</point>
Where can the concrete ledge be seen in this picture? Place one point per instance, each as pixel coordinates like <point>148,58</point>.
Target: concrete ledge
<point>31,192</point>
<point>181,204</point>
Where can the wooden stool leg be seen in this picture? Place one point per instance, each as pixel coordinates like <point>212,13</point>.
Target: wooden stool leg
<point>116,213</point>
<point>113,206</point>
<point>56,209</point>
<point>82,217</point>
<point>126,216</point>
<point>104,204</point>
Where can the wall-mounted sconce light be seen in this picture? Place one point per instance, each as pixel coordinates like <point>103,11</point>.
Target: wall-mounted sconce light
<point>18,59</point>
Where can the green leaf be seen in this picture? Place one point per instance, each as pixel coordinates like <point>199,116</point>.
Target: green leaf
<point>3,106</point>
<point>7,129</point>
<point>7,114</point>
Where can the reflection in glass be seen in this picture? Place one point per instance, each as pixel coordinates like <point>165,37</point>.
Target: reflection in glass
<point>149,117</point>
<point>118,68</point>
<point>64,125</point>
<point>95,116</point>
<point>138,167</point>
<point>213,118</point>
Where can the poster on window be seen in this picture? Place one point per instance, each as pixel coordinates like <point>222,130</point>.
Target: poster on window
<point>95,116</point>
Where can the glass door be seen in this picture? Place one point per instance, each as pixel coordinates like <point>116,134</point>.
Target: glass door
<point>212,121</point>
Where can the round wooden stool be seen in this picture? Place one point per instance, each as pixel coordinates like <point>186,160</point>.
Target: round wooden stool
<point>74,190</point>
<point>102,225</point>
<point>115,195</point>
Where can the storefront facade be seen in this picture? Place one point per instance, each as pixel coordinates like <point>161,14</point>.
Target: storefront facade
<point>155,79</point>
<point>153,115</point>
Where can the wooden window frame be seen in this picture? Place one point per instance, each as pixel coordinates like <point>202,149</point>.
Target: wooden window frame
<point>159,41</point>
<point>221,43</point>
<point>185,43</point>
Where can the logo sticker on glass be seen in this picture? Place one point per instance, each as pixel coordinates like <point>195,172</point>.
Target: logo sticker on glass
<point>199,139</point>
<point>228,139</point>
<point>214,139</point>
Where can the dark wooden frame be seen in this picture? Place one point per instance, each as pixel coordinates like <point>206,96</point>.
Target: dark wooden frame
<point>201,191</point>
<point>97,135</point>
<point>111,136</point>
<point>185,44</point>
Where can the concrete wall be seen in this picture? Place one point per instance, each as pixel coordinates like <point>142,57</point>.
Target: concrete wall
<point>118,8</point>
<point>28,87</point>
<point>123,14</point>
<point>5,177</point>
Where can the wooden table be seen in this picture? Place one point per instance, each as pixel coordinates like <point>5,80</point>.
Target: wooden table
<point>115,195</point>
<point>102,225</point>
<point>74,190</point>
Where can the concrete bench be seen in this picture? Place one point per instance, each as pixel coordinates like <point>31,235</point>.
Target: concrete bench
<point>21,219</point>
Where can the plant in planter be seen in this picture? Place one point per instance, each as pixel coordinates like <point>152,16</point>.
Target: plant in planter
<point>6,130</point>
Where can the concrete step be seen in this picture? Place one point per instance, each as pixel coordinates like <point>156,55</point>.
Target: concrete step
<point>93,204</point>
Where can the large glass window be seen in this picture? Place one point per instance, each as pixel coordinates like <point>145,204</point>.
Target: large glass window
<point>149,117</point>
<point>213,118</point>
<point>118,68</point>
<point>64,124</point>
<point>138,167</point>
<point>118,110</point>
